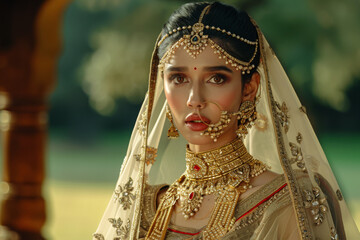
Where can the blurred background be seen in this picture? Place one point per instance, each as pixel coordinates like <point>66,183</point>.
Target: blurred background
<point>102,78</point>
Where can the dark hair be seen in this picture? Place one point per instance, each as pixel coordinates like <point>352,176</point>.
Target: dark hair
<point>222,16</point>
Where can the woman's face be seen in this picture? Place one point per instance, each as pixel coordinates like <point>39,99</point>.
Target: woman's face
<point>205,86</point>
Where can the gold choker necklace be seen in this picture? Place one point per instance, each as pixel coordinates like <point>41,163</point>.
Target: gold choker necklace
<point>225,172</point>
<point>213,171</point>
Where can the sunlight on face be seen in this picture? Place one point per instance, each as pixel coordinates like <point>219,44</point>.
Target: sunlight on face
<point>205,86</point>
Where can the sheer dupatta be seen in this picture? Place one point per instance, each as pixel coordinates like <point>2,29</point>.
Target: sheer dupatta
<point>282,138</point>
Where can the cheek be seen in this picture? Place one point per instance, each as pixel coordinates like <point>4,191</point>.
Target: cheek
<point>229,100</point>
<point>174,97</point>
<point>176,104</point>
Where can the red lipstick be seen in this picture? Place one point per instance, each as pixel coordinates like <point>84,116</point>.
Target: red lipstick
<point>196,122</point>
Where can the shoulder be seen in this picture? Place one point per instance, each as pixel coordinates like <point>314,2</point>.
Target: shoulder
<point>258,182</point>
<point>265,188</point>
<point>263,197</point>
<point>264,178</point>
<point>269,200</point>
<point>150,199</point>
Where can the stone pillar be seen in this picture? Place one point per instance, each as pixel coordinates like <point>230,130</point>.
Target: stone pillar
<point>29,48</point>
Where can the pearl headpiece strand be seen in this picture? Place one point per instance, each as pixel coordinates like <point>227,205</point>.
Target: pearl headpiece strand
<point>196,42</point>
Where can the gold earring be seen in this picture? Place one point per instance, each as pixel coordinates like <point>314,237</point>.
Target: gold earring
<point>172,132</point>
<point>246,116</point>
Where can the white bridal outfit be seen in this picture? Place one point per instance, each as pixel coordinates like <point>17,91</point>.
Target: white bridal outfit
<point>282,138</point>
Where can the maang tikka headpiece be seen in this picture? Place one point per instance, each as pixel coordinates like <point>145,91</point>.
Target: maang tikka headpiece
<point>196,42</point>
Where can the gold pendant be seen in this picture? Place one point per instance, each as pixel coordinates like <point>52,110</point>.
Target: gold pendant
<point>191,204</point>
<point>196,42</point>
<point>193,191</point>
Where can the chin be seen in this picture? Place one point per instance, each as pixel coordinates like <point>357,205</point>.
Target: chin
<point>197,139</point>
<point>201,140</point>
<point>208,143</point>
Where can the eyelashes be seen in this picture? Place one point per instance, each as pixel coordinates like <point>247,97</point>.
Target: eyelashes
<point>217,79</point>
<point>178,78</point>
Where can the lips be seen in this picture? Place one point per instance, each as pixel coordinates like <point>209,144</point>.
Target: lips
<point>196,123</point>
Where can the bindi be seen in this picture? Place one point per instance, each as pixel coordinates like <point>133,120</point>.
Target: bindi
<point>195,68</point>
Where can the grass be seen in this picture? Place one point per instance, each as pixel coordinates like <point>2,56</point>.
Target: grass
<point>74,209</point>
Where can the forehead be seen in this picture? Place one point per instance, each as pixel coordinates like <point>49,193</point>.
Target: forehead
<point>206,58</point>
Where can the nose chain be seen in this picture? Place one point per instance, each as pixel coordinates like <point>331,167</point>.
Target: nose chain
<point>246,117</point>
<point>214,130</point>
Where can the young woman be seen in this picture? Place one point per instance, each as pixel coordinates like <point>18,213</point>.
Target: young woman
<point>237,157</point>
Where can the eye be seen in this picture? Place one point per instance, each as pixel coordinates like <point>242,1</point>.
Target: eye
<point>178,78</point>
<point>217,79</point>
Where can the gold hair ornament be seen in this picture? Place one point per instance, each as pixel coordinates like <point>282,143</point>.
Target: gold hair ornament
<point>196,42</point>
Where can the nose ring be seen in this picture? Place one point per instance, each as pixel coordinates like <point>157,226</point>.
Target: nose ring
<point>216,129</point>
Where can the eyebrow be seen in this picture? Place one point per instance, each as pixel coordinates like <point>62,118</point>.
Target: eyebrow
<point>176,69</point>
<point>218,68</point>
<point>208,69</point>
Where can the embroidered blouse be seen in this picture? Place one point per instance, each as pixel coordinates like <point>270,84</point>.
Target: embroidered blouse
<point>266,214</point>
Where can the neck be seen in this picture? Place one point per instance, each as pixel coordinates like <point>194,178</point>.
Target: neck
<point>211,144</point>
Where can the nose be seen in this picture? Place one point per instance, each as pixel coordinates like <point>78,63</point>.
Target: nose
<point>196,99</point>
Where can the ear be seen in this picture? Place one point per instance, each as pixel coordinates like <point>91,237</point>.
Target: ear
<point>250,88</point>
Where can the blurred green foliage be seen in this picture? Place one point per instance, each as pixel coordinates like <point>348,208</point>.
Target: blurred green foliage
<point>102,73</point>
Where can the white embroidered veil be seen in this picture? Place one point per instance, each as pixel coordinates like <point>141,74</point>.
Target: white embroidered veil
<point>282,138</point>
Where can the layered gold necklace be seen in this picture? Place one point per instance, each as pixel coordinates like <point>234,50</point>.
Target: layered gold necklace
<point>225,172</point>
